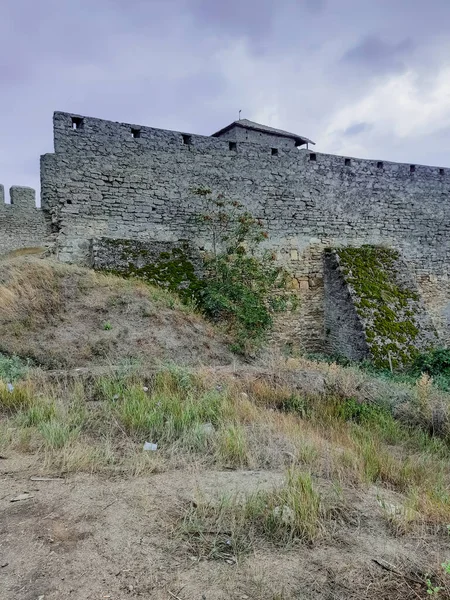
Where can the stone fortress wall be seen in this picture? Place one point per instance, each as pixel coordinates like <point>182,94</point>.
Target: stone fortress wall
<point>116,180</point>
<point>22,225</point>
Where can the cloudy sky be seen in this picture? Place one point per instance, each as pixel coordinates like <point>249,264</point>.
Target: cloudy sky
<point>367,78</point>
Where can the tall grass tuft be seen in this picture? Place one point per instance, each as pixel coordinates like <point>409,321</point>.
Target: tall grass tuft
<point>284,516</point>
<point>57,434</point>
<point>232,447</point>
<point>13,399</point>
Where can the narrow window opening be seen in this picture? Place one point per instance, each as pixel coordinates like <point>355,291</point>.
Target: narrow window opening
<point>274,151</point>
<point>380,165</point>
<point>135,133</point>
<point>187,140</point>
<point>232,146</point>
<point>412,168</point>
<point>313,157</point>
<point>77,123</point>
<point>348,162</point>
<point>441,172</point>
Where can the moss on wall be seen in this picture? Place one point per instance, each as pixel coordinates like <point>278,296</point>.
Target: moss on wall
<point>172,268</point>
<point>388,304</point>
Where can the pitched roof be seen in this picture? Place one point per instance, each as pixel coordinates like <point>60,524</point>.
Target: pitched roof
<point>246,124</point>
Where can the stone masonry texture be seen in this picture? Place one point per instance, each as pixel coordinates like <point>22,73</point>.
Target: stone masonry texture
<point>359,302</point>
<point>126,181</point>
<point>344,331</point>
<point>177,266</point>
<point>22,225</point>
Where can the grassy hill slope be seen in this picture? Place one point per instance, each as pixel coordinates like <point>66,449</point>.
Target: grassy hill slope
<point>64,316</point>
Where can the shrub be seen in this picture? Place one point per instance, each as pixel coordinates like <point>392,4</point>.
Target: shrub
<point>435,362</point>
<point>12,368</point>
<point>243,285</point>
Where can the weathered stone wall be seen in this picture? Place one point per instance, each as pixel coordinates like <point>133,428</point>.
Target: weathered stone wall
<point>103,182</point>
<point>22,225</point>
<point>344,331</point>
<point>373,307</point>
<point>177,266</point>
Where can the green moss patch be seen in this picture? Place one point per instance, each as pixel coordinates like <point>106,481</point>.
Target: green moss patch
<point>172,269</point>
<point>389,307</point>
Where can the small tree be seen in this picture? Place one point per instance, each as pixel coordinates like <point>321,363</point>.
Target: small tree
<point>244,286</point>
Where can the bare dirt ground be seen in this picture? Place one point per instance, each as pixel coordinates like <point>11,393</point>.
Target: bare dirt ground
<point>88,537</point>
<point>80,520</point>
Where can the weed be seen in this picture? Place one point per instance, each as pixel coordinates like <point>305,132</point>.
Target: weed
<point>13,368</point>
<point>292,513</point>
<point>37,413</point>
<point>57,434</point>
<point>175,410</point>
<point>232,446</point>
<point>15,398</point>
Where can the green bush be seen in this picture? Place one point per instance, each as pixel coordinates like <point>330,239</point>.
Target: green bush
<point>243,285</point>
<point>359,412</point>
<point>12,368</point>
<point>436,362</point>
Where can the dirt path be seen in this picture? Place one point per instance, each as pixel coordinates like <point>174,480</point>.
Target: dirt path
<point>91,538</point>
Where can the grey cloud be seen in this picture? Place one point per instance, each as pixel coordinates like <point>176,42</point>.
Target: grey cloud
<point>378,56</point>
<point>238,17</point>
<point>357,128</point>
<point>315,7</point>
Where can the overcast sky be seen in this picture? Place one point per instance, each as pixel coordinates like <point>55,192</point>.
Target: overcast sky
<point>366,78</point>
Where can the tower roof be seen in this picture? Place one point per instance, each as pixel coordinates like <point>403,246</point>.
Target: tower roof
<point>246,124</point>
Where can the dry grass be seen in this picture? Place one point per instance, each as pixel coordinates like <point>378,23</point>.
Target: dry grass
<point>356,449</point>
<point>197,418</point>
<point>63,316</point>
<point>335,452</point>
<point>230,528</point>
<point>409,580</point>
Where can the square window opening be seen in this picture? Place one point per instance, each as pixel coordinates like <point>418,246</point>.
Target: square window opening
<point>135,133</point>
<point>412,168</point>
<point>187,140</point>
<point>274,151</point>
<point>380,165</point>
<point>348,162</point>
<point>77,123</point>
<point>313,157</point>
<point>232,146</point>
